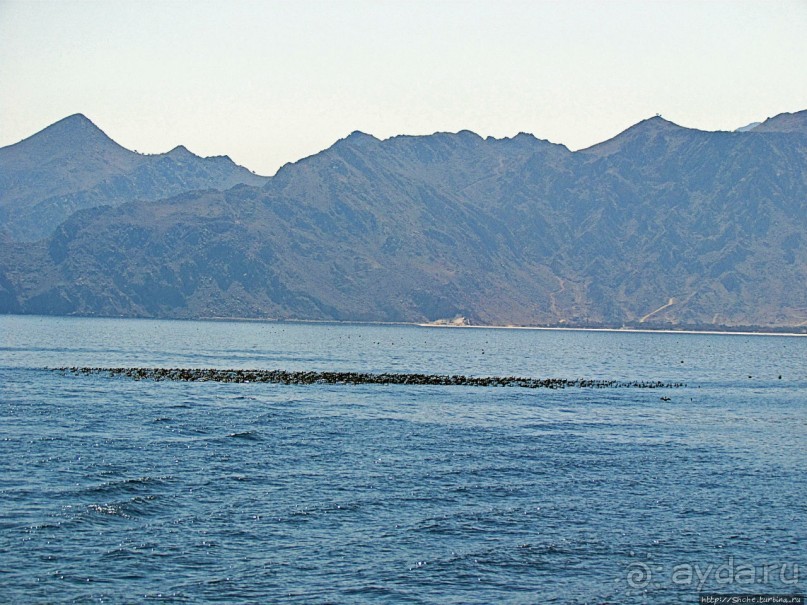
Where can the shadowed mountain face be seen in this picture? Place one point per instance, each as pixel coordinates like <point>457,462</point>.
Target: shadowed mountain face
<point>73,165</point>
<point>660,226</point>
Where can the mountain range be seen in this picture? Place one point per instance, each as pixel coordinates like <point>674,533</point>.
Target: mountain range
<point>73,165</point>
<point>660,227</point>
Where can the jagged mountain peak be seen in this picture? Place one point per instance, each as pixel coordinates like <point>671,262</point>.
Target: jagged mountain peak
<point>420,148</point>
<point>657,121</point>
<point>72,165</point>
<point>785,122</point>
<point>439,136</point>
<point>650,126</point>
<point>75,132</point>
<point>467,134</point>
<point>528,140</point>
<point>358,137</point>
<point>181,152</point>
<point>648,129</point>
<point>356,140</point>
<point>76,120</point>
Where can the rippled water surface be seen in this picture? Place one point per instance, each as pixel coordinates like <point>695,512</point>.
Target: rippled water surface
<point>115,490</point>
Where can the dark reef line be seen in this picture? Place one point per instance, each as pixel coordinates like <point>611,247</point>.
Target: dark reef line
<point>286,377</point>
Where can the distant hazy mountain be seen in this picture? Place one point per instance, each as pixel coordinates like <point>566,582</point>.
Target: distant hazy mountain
<point>659,226</point>
<point>73,165</point>
<point>747,127</point>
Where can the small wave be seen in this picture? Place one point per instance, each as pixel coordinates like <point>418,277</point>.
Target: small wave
<point>107,509</point>
<point>137,506</point>
<point>123,486</point>
<point>246,435</point>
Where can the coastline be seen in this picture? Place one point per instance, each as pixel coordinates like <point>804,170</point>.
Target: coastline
<point>629,330</point>
<point>744,331</point>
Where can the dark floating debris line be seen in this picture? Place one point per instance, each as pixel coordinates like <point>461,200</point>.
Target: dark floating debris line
<point>285,377</point>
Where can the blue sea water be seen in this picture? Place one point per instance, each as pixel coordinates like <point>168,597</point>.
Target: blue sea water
<point>119,491</point>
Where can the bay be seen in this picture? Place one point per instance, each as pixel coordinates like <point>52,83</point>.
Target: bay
<point>115,490</point>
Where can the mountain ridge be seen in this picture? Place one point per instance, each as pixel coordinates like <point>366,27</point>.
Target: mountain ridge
<point>785,122</point>
<point>672,227</point>
<point>73,164</point>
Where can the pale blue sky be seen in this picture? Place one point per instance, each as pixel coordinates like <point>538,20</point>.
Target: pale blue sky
<point>268,82</point>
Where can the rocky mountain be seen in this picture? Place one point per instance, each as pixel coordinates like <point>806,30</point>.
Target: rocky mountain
<point>73,165</point>
<point>661,226</point>
<point>785,122</point>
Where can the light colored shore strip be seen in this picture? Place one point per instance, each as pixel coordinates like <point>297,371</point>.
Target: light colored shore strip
<point>489,327</point>
<point>626,330</point>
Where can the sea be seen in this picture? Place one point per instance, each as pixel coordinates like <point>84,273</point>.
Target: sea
<point>115,490</point>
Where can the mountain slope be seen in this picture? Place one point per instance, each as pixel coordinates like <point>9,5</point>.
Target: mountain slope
<point>73,165</point>
<point>785,122</point>
<point>660,226</point>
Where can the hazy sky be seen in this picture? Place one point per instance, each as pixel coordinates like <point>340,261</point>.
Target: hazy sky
<point>270,82</point>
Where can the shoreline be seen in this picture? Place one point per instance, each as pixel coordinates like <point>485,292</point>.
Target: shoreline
<point>437,324</point>
<point>626,330</point>
<point>440,324</point>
